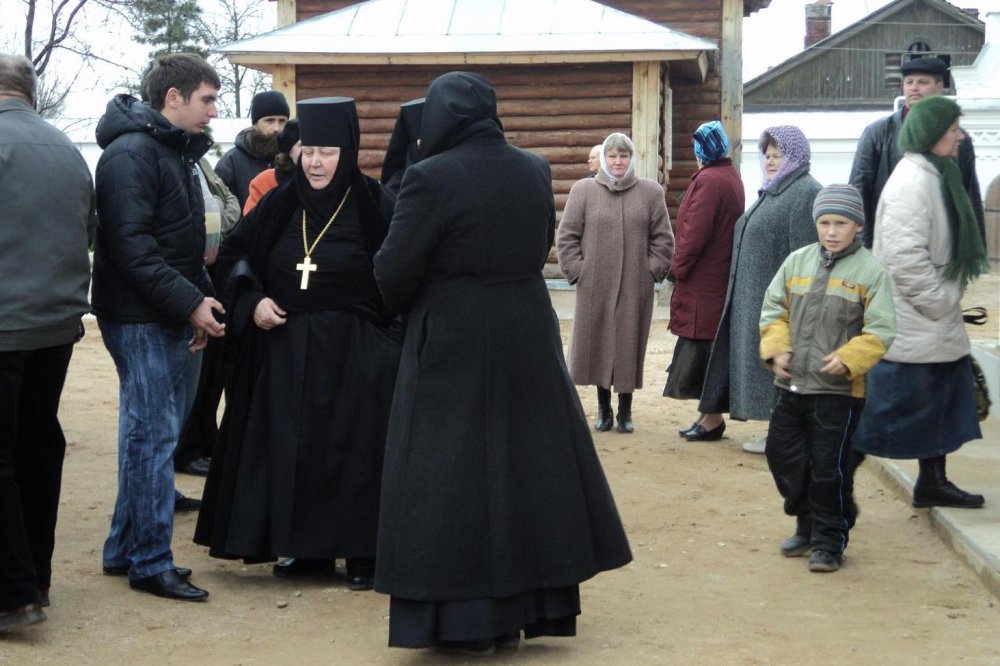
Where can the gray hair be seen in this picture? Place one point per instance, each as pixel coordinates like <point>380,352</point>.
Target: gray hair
<point>17,77</point>
<point>620,142</point>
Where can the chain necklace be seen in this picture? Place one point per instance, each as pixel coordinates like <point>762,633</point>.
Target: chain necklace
<point>307,266</point>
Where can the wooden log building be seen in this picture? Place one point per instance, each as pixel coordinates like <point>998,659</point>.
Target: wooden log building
<point>566,72</point>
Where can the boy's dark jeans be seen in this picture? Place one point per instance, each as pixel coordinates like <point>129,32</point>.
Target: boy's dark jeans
<point>809,453</point>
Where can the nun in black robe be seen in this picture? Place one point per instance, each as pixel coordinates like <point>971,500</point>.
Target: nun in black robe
<point>403,144</point>
<point>297,467</point>
<point>494,503</point>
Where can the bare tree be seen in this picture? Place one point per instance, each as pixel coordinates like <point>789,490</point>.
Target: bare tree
<point>49,27</point>
<point>226,21</point>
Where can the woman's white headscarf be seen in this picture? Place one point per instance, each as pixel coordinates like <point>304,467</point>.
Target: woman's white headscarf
<point>618,138</point>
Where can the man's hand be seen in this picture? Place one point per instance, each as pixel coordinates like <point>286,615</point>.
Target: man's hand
<point>833,366</point>
<point>267,314</point>
<point>205,324</point>
<point>779,364</point>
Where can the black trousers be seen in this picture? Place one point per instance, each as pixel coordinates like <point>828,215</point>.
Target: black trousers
<point>32,447</point>
<point>810,456</point>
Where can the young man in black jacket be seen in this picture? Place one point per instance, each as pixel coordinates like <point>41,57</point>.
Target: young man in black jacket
<point>153,301</point>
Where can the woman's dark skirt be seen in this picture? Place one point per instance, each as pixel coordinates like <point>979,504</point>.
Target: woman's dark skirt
<point>918,410</point>
<point>424,624</point>
<point>686,373</point>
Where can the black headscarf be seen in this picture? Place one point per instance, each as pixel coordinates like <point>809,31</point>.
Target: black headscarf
<point>402,150</point>
<point>326,122</point>
<point>458,106</point>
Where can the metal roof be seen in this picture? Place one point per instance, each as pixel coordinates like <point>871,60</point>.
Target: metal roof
<point>468,31</point>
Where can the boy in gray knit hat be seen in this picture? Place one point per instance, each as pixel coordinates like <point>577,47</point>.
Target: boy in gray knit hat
<point>827,318</point>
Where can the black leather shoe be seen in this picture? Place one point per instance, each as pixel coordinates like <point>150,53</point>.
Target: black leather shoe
<point>121,571</point>
<point>169,585</point>
<point>945,494</point>
<point>699,434</point>
<point>197,467</point>
<point>687,431</point>
<point>183,504</point>
<point>298,566</point>
<point>43,598</point>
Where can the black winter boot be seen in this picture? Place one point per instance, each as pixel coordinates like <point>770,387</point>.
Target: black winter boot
<point>625,413</point>
<point>605,418</point>
<point>934,489</point>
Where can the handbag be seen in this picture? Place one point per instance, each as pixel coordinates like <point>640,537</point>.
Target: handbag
<point>977,317</point>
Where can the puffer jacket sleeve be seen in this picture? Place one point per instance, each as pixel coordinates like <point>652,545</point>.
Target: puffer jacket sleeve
<point>863,351</point>
<point>904,225</point>
<point>127,218</point>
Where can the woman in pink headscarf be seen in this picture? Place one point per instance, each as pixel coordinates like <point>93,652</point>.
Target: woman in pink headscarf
<point>779,222</point>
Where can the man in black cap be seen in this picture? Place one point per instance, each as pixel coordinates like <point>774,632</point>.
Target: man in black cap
<point>878,152</point>
<point>255,146</point>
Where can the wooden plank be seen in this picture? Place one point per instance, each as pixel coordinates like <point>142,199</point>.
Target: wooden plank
<point>731,74</point>
<point>285,13</point>
<point>283,80</point>
<point>646,117</point>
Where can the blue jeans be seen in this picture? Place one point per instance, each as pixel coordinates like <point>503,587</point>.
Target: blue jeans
<point>152,362</point>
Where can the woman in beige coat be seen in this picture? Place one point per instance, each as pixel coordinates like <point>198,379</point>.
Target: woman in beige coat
<point>614,242</point>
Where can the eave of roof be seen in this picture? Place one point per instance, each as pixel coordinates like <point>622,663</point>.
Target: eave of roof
<point>468,32</point>
<point>850,31</point>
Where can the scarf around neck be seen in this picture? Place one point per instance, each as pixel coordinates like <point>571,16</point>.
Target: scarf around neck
<point>968,253</point>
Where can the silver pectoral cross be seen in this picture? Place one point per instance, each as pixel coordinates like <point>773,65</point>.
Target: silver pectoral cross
<point>307,267</point>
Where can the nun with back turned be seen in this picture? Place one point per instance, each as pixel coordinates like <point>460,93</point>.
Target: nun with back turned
<point>297,468</point>
<point>494,503</point>
<point>403,144</point>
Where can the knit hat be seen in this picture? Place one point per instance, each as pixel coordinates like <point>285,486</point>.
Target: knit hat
<point>288,136</point>
<point>842,200</point>
<point>269,103</point>
<point>926,122</point>
<point>711,143</point>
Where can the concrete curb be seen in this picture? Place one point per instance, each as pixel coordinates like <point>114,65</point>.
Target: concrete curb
<point>983,563</point>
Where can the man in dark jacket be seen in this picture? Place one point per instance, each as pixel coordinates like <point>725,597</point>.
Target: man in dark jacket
<point>44,273</point>
<point>878,152</point>
<point>256,146</point>
<point>152,297</point>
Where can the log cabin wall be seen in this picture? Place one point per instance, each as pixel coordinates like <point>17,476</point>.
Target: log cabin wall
<point>556,111</point>
<point>589,87</point>
<point>689,104</point>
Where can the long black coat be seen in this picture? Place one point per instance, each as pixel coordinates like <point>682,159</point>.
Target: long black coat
<point>491,485</point>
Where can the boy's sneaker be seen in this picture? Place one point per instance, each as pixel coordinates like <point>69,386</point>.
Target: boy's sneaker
<point>822,561</point>
<point>795,546</point>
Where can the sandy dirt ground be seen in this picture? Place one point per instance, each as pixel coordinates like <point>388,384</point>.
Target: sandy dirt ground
<point>707,585</point>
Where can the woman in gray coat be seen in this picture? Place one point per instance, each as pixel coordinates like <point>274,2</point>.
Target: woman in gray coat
<point>614,242</point>
<point>779,222</point>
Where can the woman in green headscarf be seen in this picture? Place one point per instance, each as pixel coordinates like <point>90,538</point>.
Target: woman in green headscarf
<point>921,403</point>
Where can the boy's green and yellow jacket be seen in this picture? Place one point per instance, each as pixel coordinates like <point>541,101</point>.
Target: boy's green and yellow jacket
<point>819,304</point>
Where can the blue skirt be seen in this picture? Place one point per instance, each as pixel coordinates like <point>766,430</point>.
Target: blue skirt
<point>918,410</point>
